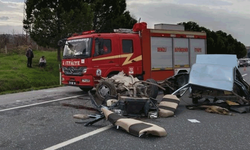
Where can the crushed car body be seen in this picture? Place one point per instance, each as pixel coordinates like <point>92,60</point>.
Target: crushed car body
<point>217,77</point>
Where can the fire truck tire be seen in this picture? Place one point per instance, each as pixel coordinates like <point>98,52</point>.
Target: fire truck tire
<point>85,89</point>
<point>105,89</point>
<point>111,75</point>
<point>152,90</point>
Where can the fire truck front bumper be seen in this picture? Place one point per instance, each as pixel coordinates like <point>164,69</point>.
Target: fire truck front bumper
<point>82,81</point>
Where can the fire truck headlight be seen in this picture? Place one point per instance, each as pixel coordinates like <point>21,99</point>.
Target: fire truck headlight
<point>84,70</point>
<point>85,80</point>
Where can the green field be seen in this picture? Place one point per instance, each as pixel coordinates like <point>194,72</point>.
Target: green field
<point>15,76</point>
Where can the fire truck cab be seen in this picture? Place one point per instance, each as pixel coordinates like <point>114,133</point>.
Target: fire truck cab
<point>141,52</point>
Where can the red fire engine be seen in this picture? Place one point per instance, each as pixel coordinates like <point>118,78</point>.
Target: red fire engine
<point>144,53</point>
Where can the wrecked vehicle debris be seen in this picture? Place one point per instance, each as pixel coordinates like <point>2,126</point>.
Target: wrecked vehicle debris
<point>168,105</point>
<point>126,85</point>
<point>121,112</point>
<point>133,87</point>
<point>133,126</point>
<point>129,96</point>
<point>211,109</point>
<point>213,77</point>
<point>216,77</point>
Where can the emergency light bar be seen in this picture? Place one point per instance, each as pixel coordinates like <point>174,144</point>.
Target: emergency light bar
<point>121,30</point>
<point>88,32</point>
<point>83,33</point>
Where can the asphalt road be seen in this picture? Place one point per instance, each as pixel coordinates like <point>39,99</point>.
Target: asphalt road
<point>39,120</point>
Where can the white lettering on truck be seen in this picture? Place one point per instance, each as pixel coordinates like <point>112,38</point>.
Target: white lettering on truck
<point>68,63</point>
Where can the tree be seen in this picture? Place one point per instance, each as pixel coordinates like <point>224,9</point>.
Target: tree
<point>218,42</point>
<point>111,14</point>
<point>48,21</point>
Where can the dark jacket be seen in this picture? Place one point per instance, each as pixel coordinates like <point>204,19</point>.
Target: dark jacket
<point>29,53</point>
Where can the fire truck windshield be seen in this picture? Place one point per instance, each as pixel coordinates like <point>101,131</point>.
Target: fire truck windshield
<point>80,48</point>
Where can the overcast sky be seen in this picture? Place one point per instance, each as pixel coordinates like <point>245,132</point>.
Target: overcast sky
<point>230,16</point>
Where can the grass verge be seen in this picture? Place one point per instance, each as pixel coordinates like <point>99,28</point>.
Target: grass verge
<point>15,76</point>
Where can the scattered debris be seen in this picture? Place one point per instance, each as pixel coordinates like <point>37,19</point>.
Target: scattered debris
<point>240,109</point>
<point>168,105</point>
<point>81,116</point>
<point>216,77</point>
<point>117,111</point>
<point>217,109</point>
<point>127,86</point>
<point>193,120</point>
<point>133,126</point>
<point>231,103</point>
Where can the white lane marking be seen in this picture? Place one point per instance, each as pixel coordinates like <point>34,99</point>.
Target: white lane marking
<point>244,75</point>
<point>63,144</point>
<point>60,99</point>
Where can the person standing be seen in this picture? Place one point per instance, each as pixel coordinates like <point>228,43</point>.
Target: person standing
<point>42,62</point>
<point>29,55</point>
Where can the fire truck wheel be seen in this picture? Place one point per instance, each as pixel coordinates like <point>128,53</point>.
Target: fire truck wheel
<point>85,89</point>
<point>111,75</point>
<point>152,90</point>
<point>105,89</point>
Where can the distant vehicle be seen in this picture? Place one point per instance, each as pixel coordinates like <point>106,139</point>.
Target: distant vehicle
<point>248,61</point>
<point>243,62</point>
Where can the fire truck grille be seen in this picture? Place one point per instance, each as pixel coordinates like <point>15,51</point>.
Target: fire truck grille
<point>75,71</point>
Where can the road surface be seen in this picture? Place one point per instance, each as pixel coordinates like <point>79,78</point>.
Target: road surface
<point>38,120</point>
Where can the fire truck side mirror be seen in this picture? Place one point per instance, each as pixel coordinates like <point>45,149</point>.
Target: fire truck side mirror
<point>61,42</point>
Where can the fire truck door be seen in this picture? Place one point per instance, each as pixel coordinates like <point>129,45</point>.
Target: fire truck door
<point>131,58</point>
<point>197,46</point>
<point>105,58</point>
<point>181,53</point>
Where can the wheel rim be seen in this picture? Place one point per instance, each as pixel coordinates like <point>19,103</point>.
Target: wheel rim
<point>104,90</point>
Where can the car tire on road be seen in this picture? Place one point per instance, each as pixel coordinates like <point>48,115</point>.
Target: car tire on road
<point>105,89</point>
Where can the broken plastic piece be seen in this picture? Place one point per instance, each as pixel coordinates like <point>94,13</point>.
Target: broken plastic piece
<point>133,126</point>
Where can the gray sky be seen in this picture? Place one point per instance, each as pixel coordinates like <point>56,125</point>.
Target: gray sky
<point>230,16</point>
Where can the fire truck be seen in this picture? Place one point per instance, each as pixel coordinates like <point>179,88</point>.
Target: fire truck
<point>159,54</point>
